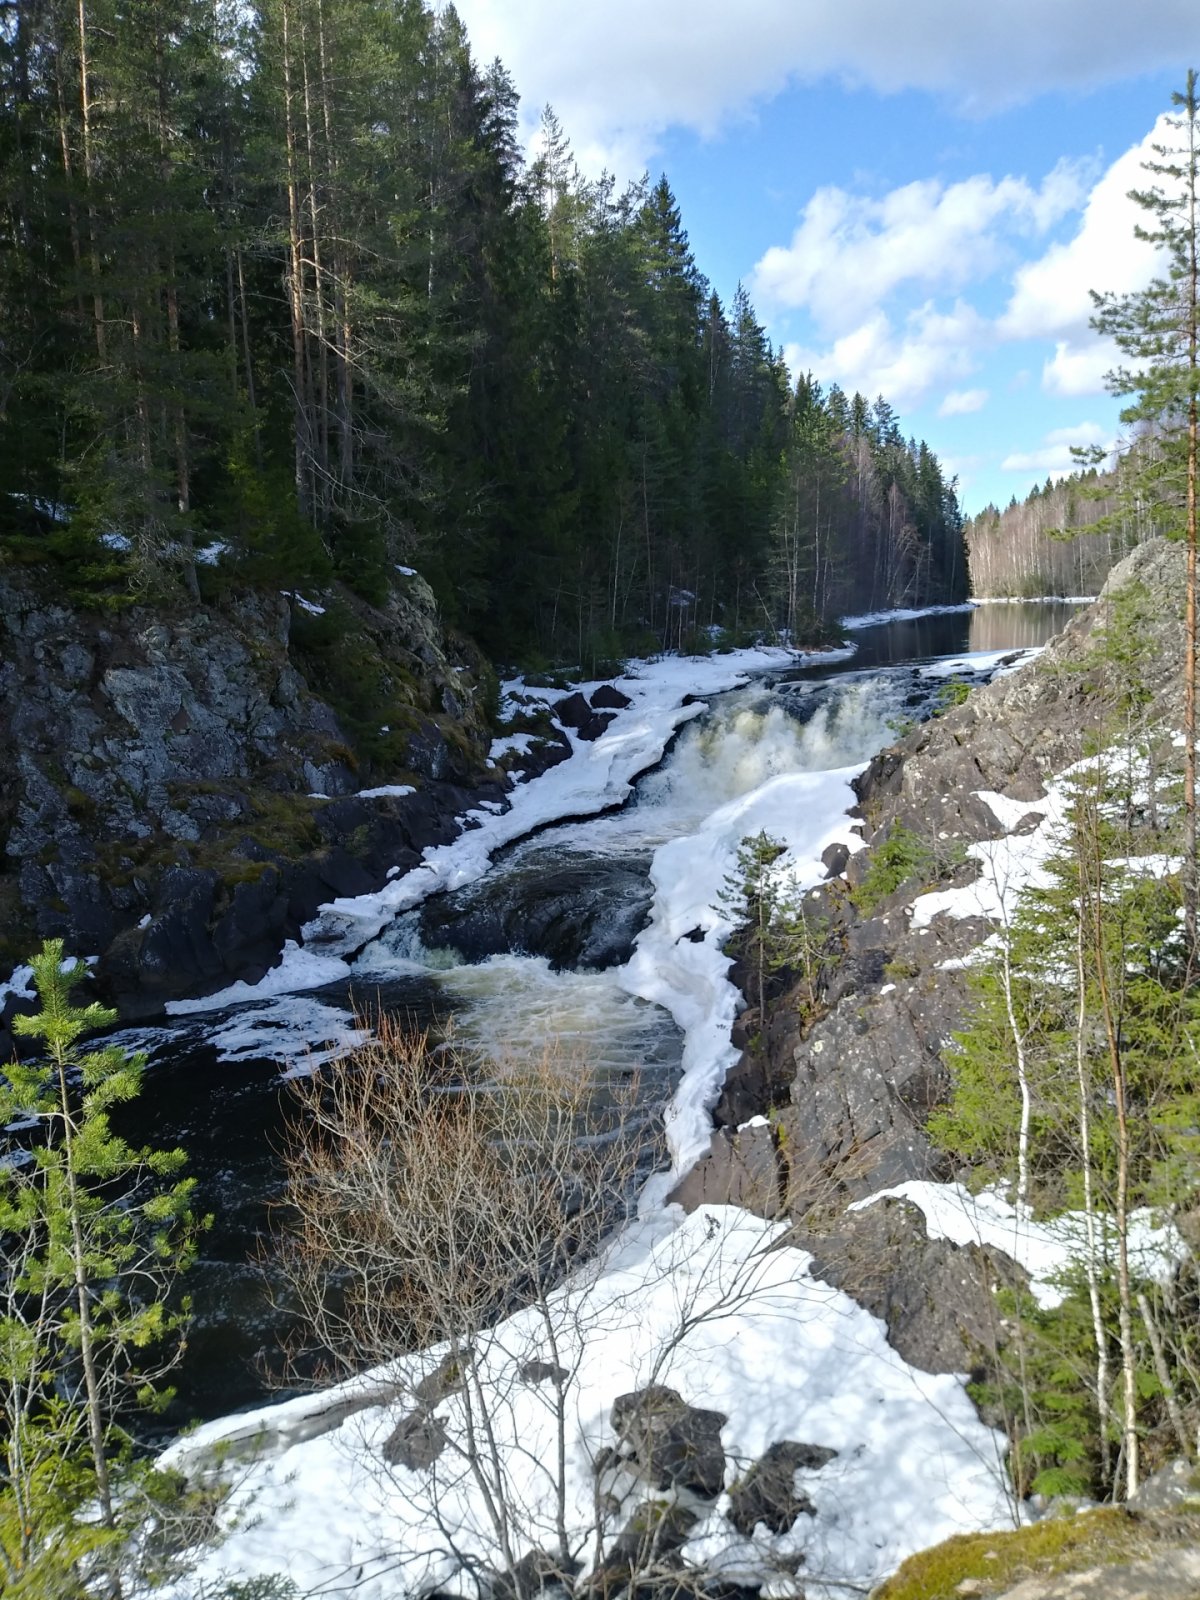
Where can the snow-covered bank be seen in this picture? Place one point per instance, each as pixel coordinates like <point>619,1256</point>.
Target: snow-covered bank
<point>703,1304</point>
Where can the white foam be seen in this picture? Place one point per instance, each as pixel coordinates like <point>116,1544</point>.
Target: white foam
<point>875,619</point>
<point>298,970</point>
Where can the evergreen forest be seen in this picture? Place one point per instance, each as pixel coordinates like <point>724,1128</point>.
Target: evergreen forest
<point>282,300</point>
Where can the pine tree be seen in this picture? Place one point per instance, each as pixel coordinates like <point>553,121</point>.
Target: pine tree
<point>98,1233</point>
<point>1158,329</point>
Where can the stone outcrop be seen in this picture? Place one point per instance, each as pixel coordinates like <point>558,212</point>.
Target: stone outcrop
<point>182,788</point>
<point>851,1063</point>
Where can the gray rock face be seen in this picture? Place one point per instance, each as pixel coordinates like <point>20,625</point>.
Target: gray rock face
<point>172,801</point>
<point>1171,1575</point>
<point>853,1064</point>
<point>741,1168</point>
<point>1175,1487</point>
<point>934,1298</point>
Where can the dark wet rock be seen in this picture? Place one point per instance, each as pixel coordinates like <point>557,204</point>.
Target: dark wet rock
<point>609,698</point>
<point>740,1168</point>
<point>576,912</point>
<point>668,1442</point>
<point>746,1092</point>
<point>544,751</point>
<point>416,1442</point>
<point>936,1299</point>
<point>573,711</point>
<point>768,1493</point>
<point>835,858</point>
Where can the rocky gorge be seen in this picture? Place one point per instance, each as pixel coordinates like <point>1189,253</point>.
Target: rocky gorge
<point>838,1072</point>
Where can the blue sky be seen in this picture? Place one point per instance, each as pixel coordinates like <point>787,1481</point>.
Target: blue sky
<point>918,198</point>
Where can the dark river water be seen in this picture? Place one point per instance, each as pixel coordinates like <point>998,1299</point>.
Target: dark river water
<point>217,1087</point>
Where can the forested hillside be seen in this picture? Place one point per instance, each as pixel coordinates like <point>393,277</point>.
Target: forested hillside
<point>281,298</point>
<point>1065,536</point>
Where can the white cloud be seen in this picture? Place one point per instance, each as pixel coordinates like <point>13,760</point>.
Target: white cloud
<point>620,72</point>
<point>1054,456</point>
<point>930,349</point>
<point>960,402</point>
<point>1052,295</point>
<point>850,252</point>
<point>1077,369</point>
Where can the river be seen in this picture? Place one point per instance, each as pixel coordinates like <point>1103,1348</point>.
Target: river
<point>535,949</point>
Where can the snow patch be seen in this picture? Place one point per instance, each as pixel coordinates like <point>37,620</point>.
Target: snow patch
<point>298,970</point>
<point>387,791</point>
<point>1045,1249</point>
<point>783,1355</point>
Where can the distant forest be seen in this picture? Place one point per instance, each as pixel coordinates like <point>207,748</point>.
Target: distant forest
<point>1063,537</point>
<point>281,300</point>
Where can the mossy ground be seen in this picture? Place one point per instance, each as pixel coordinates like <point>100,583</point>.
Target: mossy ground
<point>999,1561</point>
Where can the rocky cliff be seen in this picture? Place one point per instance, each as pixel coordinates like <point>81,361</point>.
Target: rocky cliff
<point>183,788</point>
<point>849,1065</point>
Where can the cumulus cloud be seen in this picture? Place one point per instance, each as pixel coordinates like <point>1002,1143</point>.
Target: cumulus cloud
<point>850,252</point>
<point>1054,456</point>
<point>1079,368</point>
<point>929,349</point>
<point>1051,295</point>
<point>961,402</point>
<point>620,72</point>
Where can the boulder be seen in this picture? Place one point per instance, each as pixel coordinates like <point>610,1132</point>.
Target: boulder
<point>536,1573</point>
<point>670,1443</point>
<point>543,1372</point>
<point>416,1442</point>
<point>934,1298</point>
<point>1173,1488</point>
<point>445,1379</point>
<point>573,711</point>
<point>609,698</point>
<point>835,857</point>
<point>768,1494</point>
